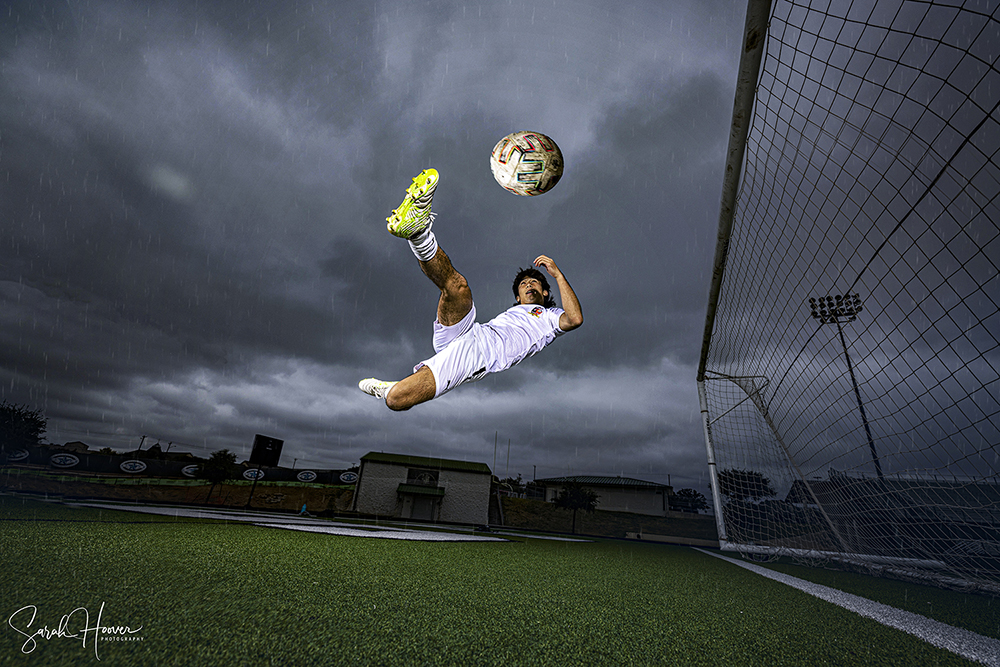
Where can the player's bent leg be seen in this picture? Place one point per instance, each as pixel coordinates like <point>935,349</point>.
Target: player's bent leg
<point>413,390</point>
<point>412,220</point>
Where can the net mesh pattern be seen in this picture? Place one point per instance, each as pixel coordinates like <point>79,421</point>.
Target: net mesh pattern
<point>852,372</point>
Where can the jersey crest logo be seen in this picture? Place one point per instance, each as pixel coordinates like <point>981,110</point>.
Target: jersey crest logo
<point>537,311</point>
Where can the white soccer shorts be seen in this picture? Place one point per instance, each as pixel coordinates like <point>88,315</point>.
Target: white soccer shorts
<point>460,354</point>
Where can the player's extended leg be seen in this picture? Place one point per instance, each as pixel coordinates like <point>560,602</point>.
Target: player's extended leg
<point>456,296</point>
<point>413,221</point>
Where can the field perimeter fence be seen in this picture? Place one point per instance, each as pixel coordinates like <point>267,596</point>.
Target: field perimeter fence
<point>849,376</point>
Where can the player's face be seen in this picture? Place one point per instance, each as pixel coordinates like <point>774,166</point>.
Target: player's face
<point>530,290</point>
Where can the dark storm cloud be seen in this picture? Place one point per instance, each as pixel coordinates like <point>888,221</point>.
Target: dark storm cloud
<point>142,198</point>
<point>193,213</point>
<point>658,228</point>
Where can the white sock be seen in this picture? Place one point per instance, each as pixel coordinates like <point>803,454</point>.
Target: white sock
<point>424,245</point>
<point>385,392</point>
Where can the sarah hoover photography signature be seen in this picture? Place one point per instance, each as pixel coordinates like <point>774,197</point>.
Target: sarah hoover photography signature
<point>74,625</point>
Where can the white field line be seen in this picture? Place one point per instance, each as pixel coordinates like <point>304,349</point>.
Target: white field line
<point>402,534</point>
<point>311,525</point>
<point>969,645</point>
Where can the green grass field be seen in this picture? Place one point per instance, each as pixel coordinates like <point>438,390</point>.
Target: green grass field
<point>227,593</point>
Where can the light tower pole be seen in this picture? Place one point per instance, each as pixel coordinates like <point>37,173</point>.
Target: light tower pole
<point>845,308</point>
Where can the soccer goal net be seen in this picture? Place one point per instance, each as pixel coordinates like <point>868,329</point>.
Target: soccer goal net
<point>849,373</point>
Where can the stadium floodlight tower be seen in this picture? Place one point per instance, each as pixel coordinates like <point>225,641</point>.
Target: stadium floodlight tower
<point>845,308</point>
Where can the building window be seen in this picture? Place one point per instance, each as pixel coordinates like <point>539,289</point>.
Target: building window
<point>422,477</point>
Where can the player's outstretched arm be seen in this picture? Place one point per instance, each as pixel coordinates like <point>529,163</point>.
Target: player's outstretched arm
<point>572,318</point>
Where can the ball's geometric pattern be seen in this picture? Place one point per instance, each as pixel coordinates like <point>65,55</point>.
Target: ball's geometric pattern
<point>526,163</point>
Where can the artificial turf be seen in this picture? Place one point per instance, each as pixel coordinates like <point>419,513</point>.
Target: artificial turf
<point>219,593</point>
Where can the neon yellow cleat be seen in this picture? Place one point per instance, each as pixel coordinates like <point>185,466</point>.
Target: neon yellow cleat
<point>414,214</point>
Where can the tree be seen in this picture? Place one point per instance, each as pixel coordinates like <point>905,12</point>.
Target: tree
<point>688,500</point>
<point>20,426</point>
<point>219,467</point>
<point>574,497</point>
<point>745,485</point>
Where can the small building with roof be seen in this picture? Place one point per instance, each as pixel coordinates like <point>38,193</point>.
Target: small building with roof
<point>616,494</point>
<point>423,489</point>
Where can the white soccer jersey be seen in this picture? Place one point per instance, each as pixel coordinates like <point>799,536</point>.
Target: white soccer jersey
<point>468,351</point>
<point>521,331</point>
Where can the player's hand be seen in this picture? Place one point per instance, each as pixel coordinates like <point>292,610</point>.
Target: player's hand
<point>550,266</point>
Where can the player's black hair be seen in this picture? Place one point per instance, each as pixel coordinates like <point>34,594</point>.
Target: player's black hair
<point>550,302</point>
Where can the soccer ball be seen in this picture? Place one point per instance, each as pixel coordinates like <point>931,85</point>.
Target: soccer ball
<point>526,163</point>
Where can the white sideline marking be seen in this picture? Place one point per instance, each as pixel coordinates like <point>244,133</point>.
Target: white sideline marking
<point>965,643</point>
<point>386,534</point>
<point>314,525</point>
<point>305,524</point>
<point>554,538</point>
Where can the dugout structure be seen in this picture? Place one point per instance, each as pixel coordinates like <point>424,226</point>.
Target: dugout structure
<point>848,378</point>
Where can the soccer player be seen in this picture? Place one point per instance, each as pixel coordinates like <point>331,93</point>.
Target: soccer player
<point>465,350</point>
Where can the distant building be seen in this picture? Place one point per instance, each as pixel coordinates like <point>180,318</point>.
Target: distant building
<point>423,489</point>
<point>77,446</point>
<point>616,494</point>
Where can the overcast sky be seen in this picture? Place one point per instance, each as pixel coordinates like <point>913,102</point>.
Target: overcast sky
<point>193,210</point>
